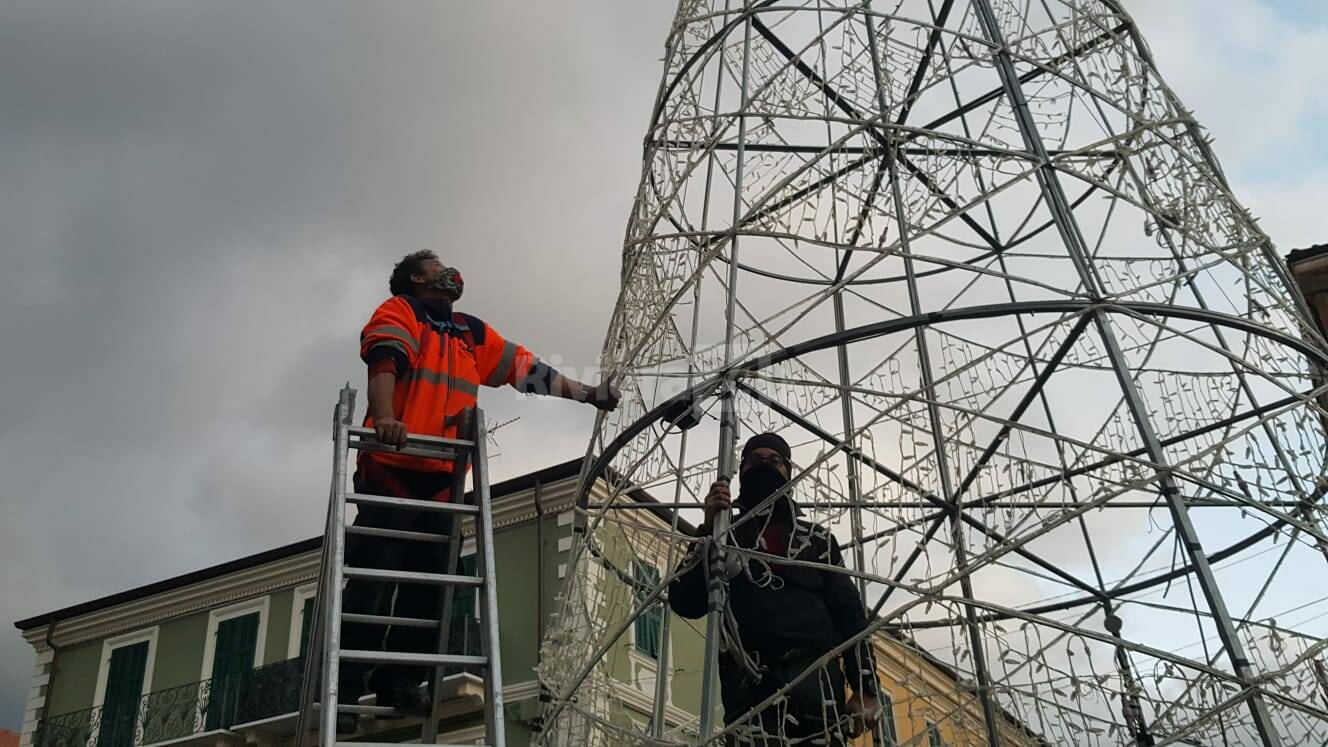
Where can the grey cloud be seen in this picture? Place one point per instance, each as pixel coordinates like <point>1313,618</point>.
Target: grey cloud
<point>201,204</point>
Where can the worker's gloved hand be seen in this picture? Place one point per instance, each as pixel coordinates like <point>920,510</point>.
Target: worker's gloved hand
<point>390,431</point>
<point>605,396</point>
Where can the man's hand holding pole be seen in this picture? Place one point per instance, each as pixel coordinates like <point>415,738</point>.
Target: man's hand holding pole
<point>863,711</point>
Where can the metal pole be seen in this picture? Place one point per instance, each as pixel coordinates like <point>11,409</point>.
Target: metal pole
<point>943,467</point>
<point>717,584</point>
<point>933,413</point>
<point>309,685</point>
<point>854,477</point>
<point>662,664</point>
<point>880,736</point>
<point>1075,246</point>
<point>493,676</point>
<point>665,646</point>
<point>1131,705</point>
<point>336,560</point>
<point>539,573</point>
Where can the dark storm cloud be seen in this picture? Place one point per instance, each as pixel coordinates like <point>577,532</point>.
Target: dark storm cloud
<point>201,203</point>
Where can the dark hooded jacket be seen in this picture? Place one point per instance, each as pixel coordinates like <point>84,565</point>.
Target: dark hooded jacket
<point>782,608</point>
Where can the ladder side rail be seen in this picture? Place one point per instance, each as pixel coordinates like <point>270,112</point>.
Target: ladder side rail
<point>451,560</point>
<point>336,537</point>
<point>313,654</point>
<point>487,567</point>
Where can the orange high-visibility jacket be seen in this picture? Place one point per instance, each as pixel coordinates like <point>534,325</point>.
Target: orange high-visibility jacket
<point>440,366</point>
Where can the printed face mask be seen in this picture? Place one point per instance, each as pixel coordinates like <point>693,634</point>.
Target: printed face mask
<point>449,282</point>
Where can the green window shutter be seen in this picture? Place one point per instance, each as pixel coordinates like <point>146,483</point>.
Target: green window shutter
<point>650,623</point>
<point>124,690</point>
<point>463,600</point>
<point>306,625</point>
<point>464,618</point>
<point>233,658</point>
<point>236,640</point>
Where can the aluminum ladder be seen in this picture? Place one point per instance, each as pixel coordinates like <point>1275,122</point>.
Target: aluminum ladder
<point>325,652</point>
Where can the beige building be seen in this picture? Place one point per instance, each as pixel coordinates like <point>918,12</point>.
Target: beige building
<point>928,707</point>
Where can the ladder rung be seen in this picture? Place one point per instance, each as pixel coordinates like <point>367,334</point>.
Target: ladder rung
<point>410,503</point>
<point>363,710</point>
<point>400,534</point>
<point>403,657</point>
<point>411,577</point>
<point>442,456</point>
<point>405,622</point>
<point>412,439</point>
<point>397,745</point>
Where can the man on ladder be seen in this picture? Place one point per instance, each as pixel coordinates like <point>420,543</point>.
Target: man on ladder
<point>426,363</point>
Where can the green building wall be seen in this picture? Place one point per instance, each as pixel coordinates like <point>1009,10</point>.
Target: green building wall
<point>519,554</point>
<point>179,656</point>
<point>515,550</point>
<point>75,680</point>
<point>279,614</point>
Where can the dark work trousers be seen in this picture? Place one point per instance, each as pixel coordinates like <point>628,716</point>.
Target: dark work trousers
<point>388,598</point>
<point>809,713</point>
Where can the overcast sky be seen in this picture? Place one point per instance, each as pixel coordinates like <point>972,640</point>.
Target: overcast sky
<point>201,203</point>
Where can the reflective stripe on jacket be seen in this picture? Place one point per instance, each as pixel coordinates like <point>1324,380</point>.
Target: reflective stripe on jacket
<point>441,364</point>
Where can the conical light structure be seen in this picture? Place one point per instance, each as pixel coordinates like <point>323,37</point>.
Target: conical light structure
<point>1046,381</point>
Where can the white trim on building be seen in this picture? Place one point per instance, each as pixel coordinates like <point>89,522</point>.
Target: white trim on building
<point>41,687</point>
<point>300,595</point>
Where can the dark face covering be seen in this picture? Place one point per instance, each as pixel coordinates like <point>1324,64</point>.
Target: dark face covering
<point>760,482</point>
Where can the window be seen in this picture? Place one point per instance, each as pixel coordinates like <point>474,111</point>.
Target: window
<point>645,578</point>
<point>1309,268</point>
<point>464,600</point>
<point>235,644</point>
<point>306,624</point>
<point>124,688</point>
<point>888,718</point>
<point>237,639</point>
<point>464,620</point>
<point>302,621</point>
<point>124,677</point>
<point>934,735</point>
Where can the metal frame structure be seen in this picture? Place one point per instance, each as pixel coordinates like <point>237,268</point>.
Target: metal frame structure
<point>992,281</point>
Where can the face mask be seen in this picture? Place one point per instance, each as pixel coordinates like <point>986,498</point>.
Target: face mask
<point>449,282</point>
<point>759,483</point>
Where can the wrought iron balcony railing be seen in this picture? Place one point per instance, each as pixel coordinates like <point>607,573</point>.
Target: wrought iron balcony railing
<point>222,703</point>
<point>219,703</point>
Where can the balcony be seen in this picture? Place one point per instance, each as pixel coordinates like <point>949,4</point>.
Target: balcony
<point>180,712</point>
<point>267,695</point>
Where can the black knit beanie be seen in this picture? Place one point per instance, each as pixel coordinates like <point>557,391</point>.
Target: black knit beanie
<point>767,441</point>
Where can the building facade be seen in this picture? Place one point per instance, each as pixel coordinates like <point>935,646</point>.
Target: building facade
<point>216,657</point>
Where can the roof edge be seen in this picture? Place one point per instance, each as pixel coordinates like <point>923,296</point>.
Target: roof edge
<point>560,471</point>
<point>1309,252</point>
